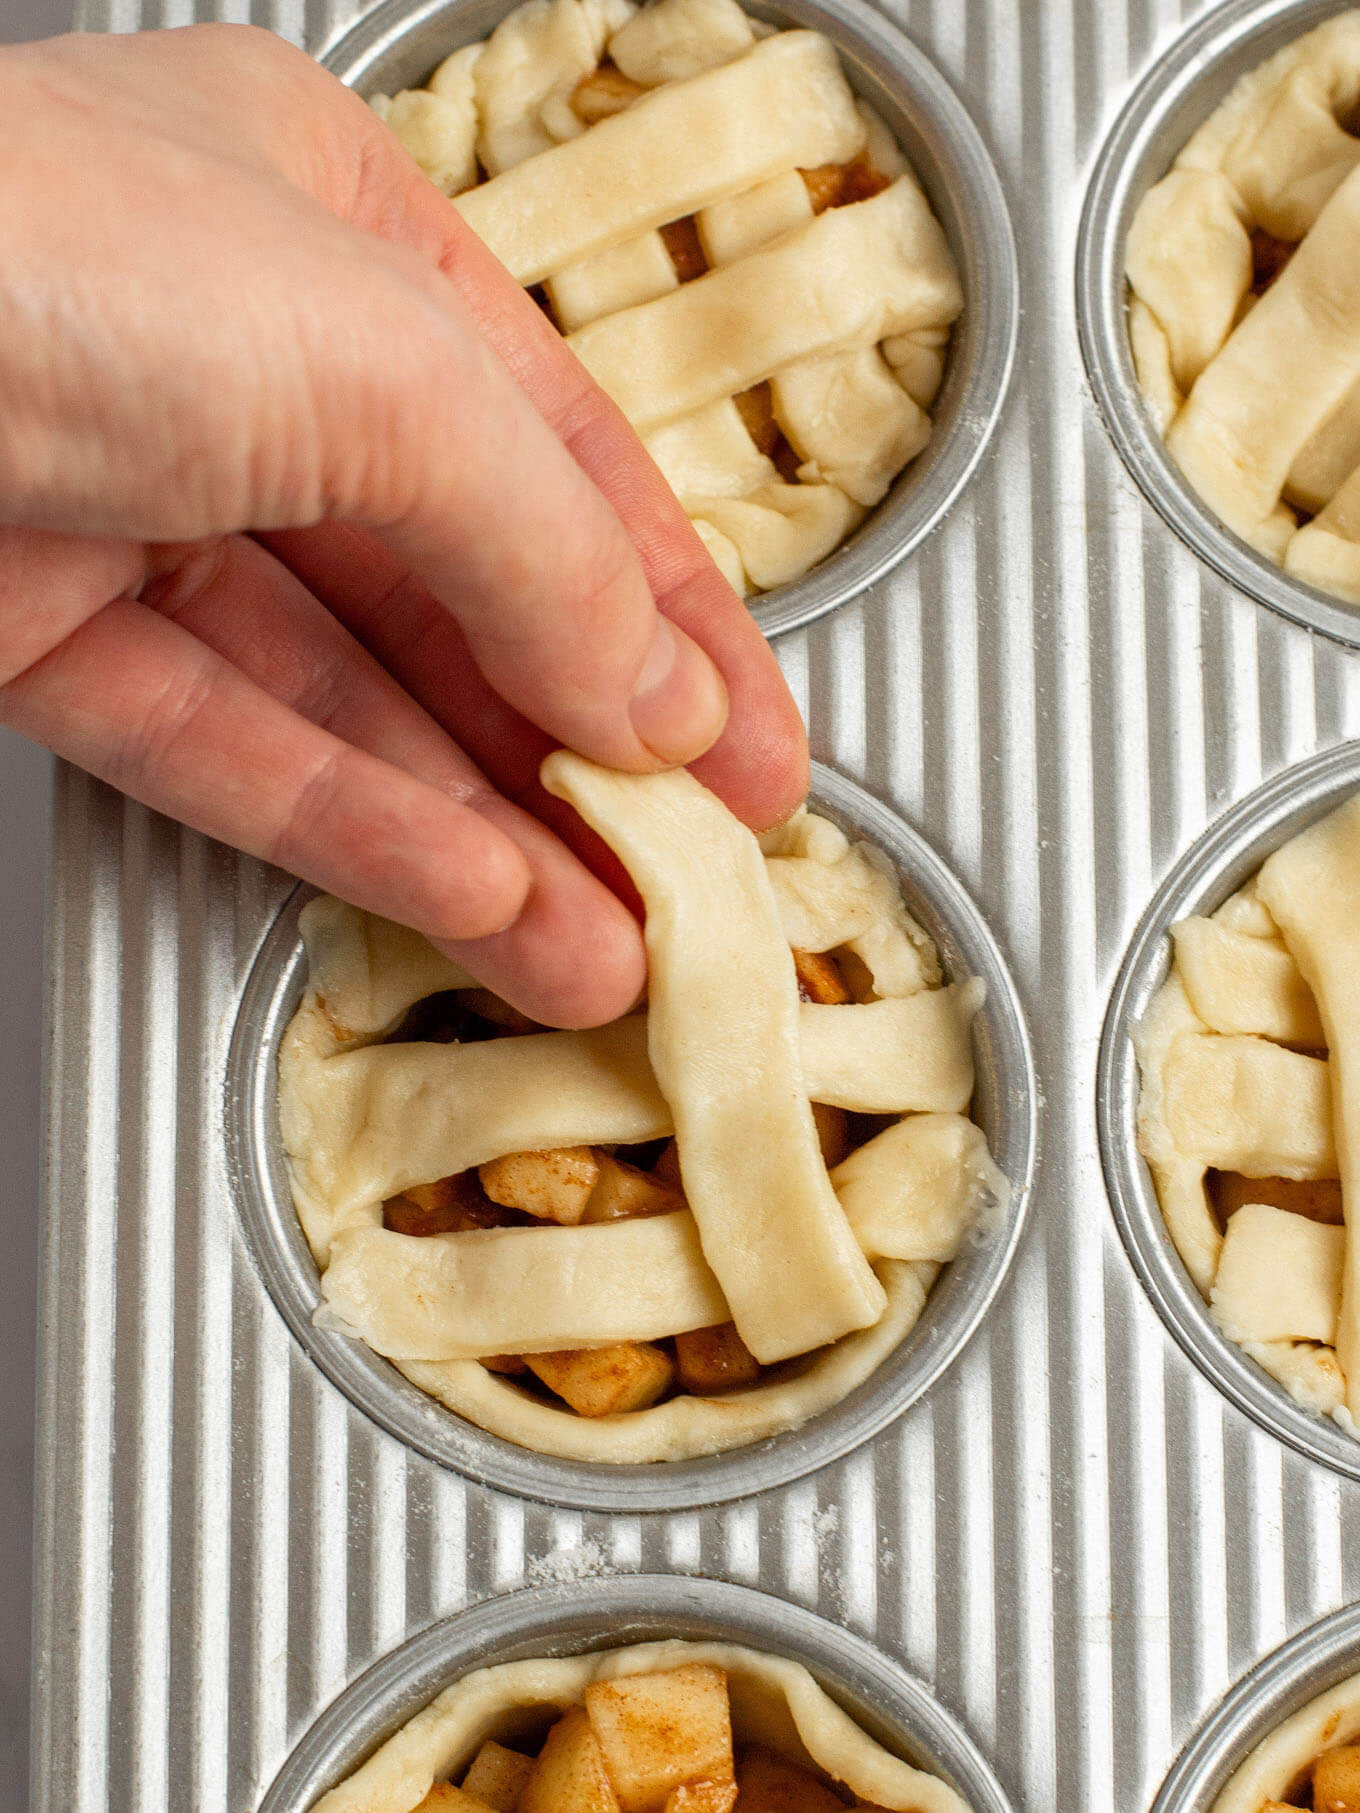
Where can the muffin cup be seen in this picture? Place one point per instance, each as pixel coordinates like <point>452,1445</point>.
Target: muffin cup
<point>608,1614</point>
<point>401,42</point>
<point>1304,1668</point>
<point>1004,1102</point>
<point>1175,96</point>
<point>1225,858</point>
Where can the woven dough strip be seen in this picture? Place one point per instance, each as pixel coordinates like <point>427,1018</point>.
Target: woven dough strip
<point>723,1038</point>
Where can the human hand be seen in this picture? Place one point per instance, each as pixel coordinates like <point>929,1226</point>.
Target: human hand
<point>318,537</point>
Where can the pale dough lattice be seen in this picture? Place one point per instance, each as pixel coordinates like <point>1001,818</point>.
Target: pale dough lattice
<point>1244,315</point>
<point>775,1702</point>
<point>1250,1111</point>
<point>805,1263</point>
<point>735,249</point>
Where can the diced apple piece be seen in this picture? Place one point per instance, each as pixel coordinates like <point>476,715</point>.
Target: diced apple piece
<point>445,1798</point>
<point>1315,1198</point>
<point>713,1360</point>
<point>1336,1781</point>
<point>833,1133</point>
<point>658,1732</point>
<point>497,1776</point>
<point>623,1192</point>
<point>820,979</point>
<point>451,1206</point>
<point>554,1185</point>
<point>604,91</point>
<point>770,1784</point>
<point>509,1363</point>
<point>569,1776</point>
<point>605,1381</point>
<point>703,1797</point>
<point>859,978</point>
<point>667,1166</point>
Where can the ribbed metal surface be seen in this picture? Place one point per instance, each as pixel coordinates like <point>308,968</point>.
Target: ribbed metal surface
<point>1073,1538</point>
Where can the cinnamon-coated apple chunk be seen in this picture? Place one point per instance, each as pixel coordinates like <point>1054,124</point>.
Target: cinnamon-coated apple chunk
<point>1336,1781</point>
<point>445,1798</point>
<point>714,1360</point>
<point>703,1797</point>
<point>605,1381</point>
<point>569,1776</point>
<point>623,1191</point>
<point>659,1732</point>
<point>767,1783</point>
<point>554,1185</point>
<point>498,1776</point>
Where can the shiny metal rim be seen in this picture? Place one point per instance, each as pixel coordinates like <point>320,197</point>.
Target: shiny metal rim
<point>1174,97</point>
<point>399,42</point>
<point>1005,1099</point>
<point>598,1614</point>
<point>1217,865</point>
<point>1306,1666</point>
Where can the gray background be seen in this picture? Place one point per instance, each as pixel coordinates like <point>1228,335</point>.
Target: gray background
<point>24,798</point>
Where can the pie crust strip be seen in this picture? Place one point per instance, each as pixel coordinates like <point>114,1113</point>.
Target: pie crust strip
<point>1312,888</point>
<point>775,1702</point>
<point>783,105</point>
<point>724,1043</point>
<point>522,1290</point>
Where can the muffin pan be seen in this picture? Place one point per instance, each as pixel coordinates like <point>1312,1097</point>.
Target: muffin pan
<point>1076,1536</point>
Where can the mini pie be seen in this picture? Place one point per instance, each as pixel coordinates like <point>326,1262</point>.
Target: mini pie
<point>649,1729</point>
<point>733,246</point>
<point>1244,316</point>
<point>1250,1112</point>
<point>509,1220</point>
<point>1312,1760</point>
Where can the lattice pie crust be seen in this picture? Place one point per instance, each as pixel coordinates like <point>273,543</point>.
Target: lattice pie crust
<point>1250,1111</point>
<point>823,1273</point>
<point>1244,267</point>
<point>1309,1761</point>
<point>775,1703</point>
<point>734,247</point>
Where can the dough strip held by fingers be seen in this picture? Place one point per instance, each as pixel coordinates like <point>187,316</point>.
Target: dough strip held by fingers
<point>723,1037</point>
<point>1312,888</point>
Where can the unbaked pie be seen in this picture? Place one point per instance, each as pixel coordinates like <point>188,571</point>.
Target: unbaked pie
<point>1250,1111</point>
<point>645,1242</point>
<point>669,1727</point>
<point>734,247</point>
<point>1245,307</point>
<point>1312,1760</point>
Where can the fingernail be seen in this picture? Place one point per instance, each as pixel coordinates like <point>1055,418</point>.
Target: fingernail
<point>679,702</point>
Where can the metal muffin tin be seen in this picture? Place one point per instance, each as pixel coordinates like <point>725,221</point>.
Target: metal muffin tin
<point>1222,861</point>
<point>609,1614</point>
<point>1175,97</point>
<point>398,45</point>
<point>1074,1540</point>
<point>1004,1106</point>
<point>1304,1668</point>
